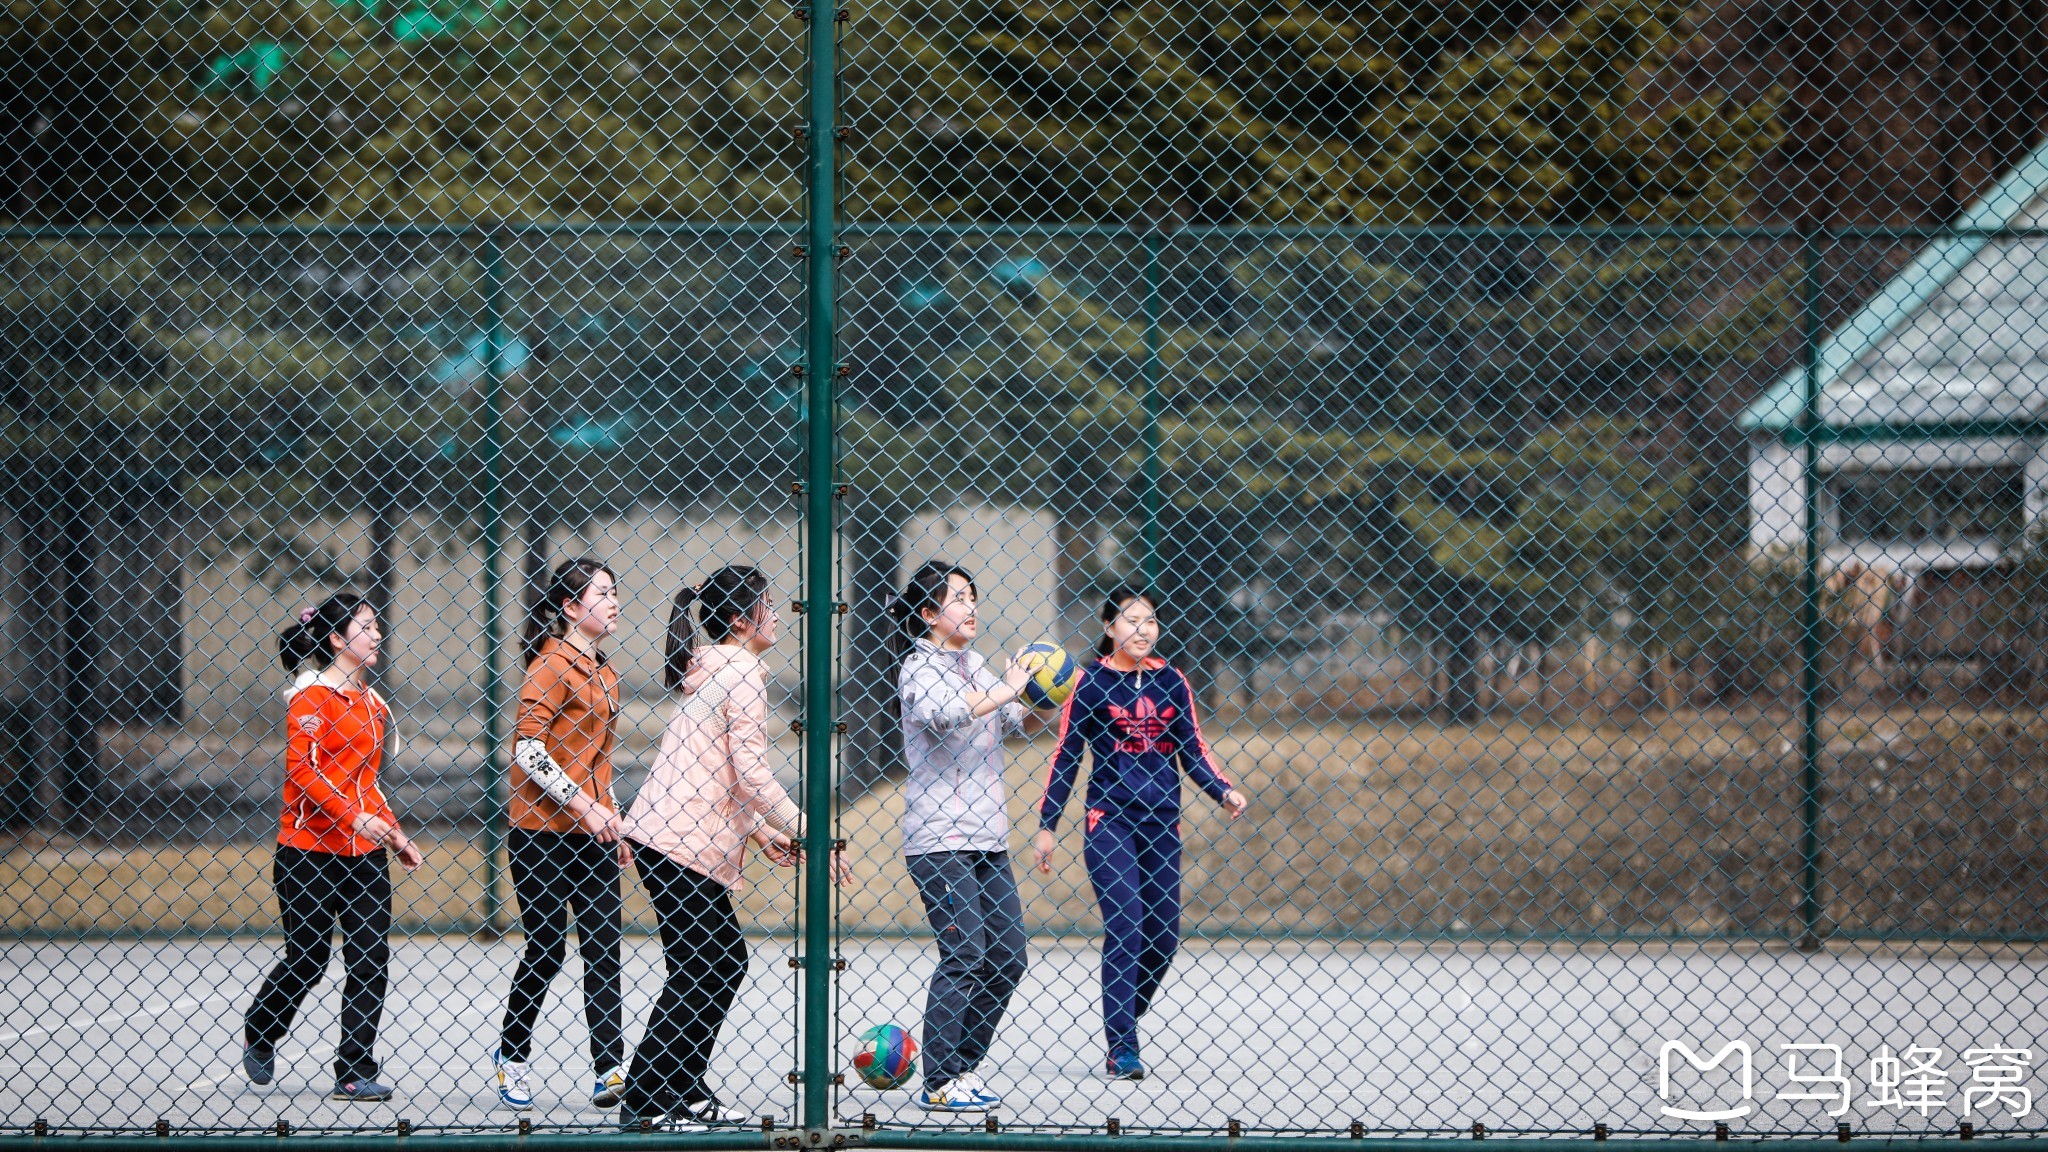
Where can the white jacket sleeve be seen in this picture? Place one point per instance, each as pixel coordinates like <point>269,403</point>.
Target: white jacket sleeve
<point>933,697</point>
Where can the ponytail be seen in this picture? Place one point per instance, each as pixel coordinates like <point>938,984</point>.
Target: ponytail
<point>925,589</point>
<point>544,617</point>
<point>682,639</point>
<point>732,593</point>
<point>306,641</point>
<point>1120,598</point>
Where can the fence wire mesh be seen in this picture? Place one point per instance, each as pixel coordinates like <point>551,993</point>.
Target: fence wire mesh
<point>1542,503</point>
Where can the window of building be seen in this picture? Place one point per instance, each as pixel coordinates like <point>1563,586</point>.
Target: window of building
<point>1903,505</point>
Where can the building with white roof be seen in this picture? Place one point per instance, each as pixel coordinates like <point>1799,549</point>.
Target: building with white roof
<point>1930,407</point>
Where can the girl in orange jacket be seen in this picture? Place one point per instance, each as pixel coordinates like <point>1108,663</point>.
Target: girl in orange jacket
<point>330,867</point>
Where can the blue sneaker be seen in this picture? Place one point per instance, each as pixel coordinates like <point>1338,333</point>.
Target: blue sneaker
<point>609,1089</point>
<point>951,1096</point>
<point>259,1062</point>
<point>515,1082</point>
<point>1123,1064</point>
<point>364,1091</point>
<point>972,1083</point>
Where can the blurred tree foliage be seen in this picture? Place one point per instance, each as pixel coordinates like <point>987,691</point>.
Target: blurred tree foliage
<point>417,111</point>
<point>1341,421</point>
<point>1470,418</point>
<point>1218,111</point>
<point>1211,111</point>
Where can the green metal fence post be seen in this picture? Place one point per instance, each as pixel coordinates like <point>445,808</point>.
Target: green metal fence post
<point>1809,600</point>
<point>493,542</point>
<point>820,411</point>
<point>1154,243</point>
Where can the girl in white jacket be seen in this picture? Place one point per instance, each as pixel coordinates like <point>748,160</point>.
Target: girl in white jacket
<point>956,829</point>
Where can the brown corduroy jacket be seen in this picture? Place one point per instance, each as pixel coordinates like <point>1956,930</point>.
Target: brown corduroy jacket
<point>570,700</point>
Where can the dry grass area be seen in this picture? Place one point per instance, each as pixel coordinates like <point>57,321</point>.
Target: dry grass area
<point>1679,823</point>
<point>1682,823</point>
<point>57,885</point>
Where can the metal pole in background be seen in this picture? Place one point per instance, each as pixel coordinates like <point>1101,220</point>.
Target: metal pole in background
<point>820,318</point>
<point>1809,597</point>
<point>493,542</point>
<point>1150,501</point>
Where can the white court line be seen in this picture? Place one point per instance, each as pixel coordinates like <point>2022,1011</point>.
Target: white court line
<point>126,1014</point>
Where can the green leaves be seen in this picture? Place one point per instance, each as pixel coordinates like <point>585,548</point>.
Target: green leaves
<point>1301,114</point>
<point>1222,110</point>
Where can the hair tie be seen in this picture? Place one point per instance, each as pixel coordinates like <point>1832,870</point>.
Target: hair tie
<point>306,617</point>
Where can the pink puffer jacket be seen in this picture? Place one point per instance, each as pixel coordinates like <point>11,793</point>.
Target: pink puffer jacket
<point>711,784</point>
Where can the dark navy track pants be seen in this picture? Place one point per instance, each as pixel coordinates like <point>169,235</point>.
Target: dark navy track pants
<point>1134,864</point>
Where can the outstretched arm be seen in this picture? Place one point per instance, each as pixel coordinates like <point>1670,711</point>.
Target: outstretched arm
<point>1197,759</point>
<point>755,785</point>
<point>1059,782</point>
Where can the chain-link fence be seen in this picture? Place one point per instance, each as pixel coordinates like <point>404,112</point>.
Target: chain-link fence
<point>1543,517</point>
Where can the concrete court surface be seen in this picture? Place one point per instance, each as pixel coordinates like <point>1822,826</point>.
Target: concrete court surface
<point>1275,1035</point>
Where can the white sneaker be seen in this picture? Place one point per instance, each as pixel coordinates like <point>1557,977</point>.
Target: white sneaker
<point>952,1096</point>
<point>679,1120</point>
<point>714,1113</point>
<point>609,1088</point>
<point>971,1082</point>
<point>515,1082</point>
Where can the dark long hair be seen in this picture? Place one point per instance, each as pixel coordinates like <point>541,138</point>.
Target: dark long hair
<point>1120,598</point>
<point>926,588</point>
<point>306,639</point>
<point>544,616</point>
<point>733,592</point>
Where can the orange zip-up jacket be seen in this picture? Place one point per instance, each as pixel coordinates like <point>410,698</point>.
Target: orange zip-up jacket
<point>570,702</point>
<point>336,746</point>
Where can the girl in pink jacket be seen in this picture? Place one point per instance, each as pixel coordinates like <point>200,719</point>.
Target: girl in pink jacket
<point>710,791</point>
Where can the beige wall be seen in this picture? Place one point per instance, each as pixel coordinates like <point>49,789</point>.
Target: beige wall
<point>1014,559</point>
<point>233,677</point>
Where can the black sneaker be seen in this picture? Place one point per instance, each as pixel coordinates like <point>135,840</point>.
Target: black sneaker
<point>259,1062</point>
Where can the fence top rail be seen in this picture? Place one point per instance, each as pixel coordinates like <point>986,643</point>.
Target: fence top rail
<point>468,1140</point>
<point>1928,232</point>
<point>1922,232</point>
<point>1124,1142</point>
<point>399,231</point>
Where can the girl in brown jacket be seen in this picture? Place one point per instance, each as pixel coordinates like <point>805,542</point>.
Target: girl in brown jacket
<point>565,845</point>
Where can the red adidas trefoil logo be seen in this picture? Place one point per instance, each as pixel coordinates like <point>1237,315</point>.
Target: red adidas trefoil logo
<point>1143,727</point>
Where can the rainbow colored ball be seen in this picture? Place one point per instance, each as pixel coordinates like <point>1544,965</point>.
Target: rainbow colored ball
<point>887,1057</point>
<point>1053,673</point>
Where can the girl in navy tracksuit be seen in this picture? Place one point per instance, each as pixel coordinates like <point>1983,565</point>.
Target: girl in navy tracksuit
<point>1137,714</point>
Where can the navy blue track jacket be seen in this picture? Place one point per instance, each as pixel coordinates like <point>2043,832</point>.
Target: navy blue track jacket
<point>1142,729</point>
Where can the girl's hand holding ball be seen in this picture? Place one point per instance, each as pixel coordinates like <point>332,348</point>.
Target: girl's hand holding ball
<point>1017,674</point>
